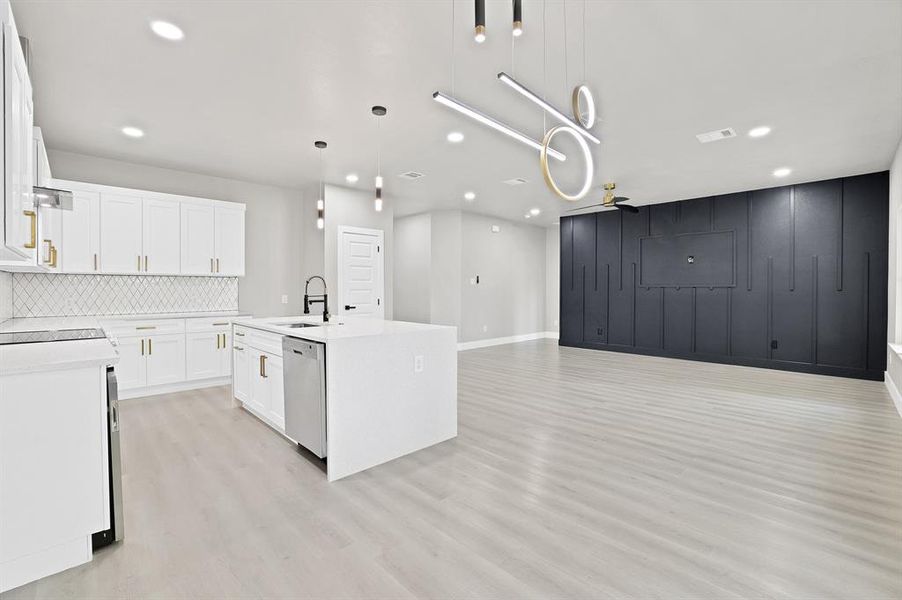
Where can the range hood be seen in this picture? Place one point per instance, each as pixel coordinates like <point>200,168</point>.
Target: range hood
<point>53,198</point>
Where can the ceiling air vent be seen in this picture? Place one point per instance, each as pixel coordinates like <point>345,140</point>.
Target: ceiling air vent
<point>716,135</point>
<point>514,181</point>
<point>410,175</point>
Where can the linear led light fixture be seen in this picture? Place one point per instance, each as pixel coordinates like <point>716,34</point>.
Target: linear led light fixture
<point>496,125</point>
<point>511,82</point>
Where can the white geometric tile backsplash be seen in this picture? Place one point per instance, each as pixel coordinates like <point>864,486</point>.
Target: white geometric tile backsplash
<point>42,295</point>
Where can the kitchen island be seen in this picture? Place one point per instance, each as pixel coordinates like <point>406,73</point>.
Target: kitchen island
<point>390,386</point>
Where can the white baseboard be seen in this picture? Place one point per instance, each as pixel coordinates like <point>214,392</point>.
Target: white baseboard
<point>168,388</point>
<point>513,339</point>
<point>893,391</point>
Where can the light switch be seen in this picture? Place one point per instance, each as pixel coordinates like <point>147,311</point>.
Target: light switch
<point>418,363</point>
<point>284,298</point>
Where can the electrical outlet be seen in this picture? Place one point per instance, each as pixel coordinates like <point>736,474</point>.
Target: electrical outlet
<point>600,331</point>
<point>418,363</point>
<point>284,298</point>
<point>773,344</point>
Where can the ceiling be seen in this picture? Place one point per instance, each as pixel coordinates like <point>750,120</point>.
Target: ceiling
<point>254,83</point>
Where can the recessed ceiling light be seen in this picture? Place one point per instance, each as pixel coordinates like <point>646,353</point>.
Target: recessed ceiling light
<point>132,132</point>
<point>469,196</point>
<point>534,212</point>
<point>167,30</point>
<point>782,172</point>
<point>759,131</point>
<point>351,178</point>
<point>527,215</point>
<point>455,136</point>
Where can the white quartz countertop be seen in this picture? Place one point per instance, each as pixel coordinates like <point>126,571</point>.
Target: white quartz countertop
<point>57,323</point>
<point>338,328</point>
<point>16,359</point>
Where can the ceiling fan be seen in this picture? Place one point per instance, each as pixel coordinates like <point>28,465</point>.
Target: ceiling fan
<point>610,200</point>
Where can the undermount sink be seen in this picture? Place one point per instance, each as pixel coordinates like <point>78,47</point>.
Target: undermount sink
<point>298,325</point>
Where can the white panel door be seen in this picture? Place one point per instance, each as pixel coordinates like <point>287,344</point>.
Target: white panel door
<point>121,248</point>
<point>197,239</point>
<point>258,399</point>
<point>229,236</point>
<point>241,372</point>
<point>18,121</point>
<point>131,370</point>
<point>203,353</point>
<point>360,272</point>
<point>161,236</point>
<point>275,410</point>
<point>80,250</point>
<point>165,358</point>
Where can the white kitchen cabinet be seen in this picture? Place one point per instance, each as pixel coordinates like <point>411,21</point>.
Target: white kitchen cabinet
<point>161,237</point>
<point>80,248</point>
<point>198,251</point>
<point>50,236</point>
<point>42,175</point>
<point>121,249</point>
<point>228,230</point>
<point>131,370</point>
<point>202,351</point>
<point>260,387</point>
<point>241,371</point>
<point>276,405</point>
<point>20,229</point>
<point>165,359</point>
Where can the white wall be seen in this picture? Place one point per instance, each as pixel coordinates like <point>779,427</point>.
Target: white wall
<point>413,268</point>
<point>445,276</point>
<point>510,296</point>
<point>552,278</point>
<point>894,285</point>
<point>354,208</point>
<point>273,222</point>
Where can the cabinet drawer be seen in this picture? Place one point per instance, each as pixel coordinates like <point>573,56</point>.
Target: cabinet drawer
<point>269,343</point>
<point>207,324</point>
<point>144,328</point>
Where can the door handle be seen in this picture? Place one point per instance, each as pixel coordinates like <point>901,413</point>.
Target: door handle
<point>349,307</point>
<point>33,242</point>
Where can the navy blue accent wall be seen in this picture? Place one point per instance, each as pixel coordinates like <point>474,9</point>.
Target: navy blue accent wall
<point>787,278</point>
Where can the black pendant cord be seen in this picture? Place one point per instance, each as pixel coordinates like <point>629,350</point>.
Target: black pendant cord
<point>479,28</point>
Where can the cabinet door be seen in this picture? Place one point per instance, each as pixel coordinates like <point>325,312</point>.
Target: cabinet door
<point>80,249</point>
<point>197,239</point>
<point>203,353</point>
<point>161,236</point>
<point>120,234</point>
<point>20,228</point>
<point>229,236</point>
<point>275,410</point>
<point>241,374</point>
<point>258,399</point>
<point>225,355</point>
<point>165,358</point>
<point>131,369</point>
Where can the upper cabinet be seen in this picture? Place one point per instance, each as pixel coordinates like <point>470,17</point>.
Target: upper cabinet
<point>228,232</point>
<point>121,231</point>
<point>20,229</point>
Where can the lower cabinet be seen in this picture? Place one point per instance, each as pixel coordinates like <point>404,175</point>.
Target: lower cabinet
<point>257,375</point>
<point>207,354</point>
<point>151,360</point>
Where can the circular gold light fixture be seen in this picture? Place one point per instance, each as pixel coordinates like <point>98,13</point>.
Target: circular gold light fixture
<point>546,173</point>
<point>583,93</point>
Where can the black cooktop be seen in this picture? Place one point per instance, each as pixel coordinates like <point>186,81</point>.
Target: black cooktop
<point>61,335</point>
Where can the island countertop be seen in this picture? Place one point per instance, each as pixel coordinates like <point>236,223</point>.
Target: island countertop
<point>338,328</point>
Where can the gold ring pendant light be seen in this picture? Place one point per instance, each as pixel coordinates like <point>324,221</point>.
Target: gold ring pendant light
<point>580,92</point>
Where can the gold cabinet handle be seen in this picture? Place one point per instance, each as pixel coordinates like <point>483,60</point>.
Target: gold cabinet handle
<point>52,256</point>
<point>211,266</point>
<point>239,348</point>
<point>218,341</point>
<point>95,261</point>
<point>145,263</point>
<point>149,346</point>
<point>217,265</point>
<point>223,340</point>
<point>34,228</point>
<point>146,327</point>
<point>263,366</point>
<point>139,262</point>
<point>219,324</point>
<point>142,347</point>
<point>46,253</point>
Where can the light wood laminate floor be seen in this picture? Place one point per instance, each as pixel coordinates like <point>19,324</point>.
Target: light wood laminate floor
<point>576,474</point>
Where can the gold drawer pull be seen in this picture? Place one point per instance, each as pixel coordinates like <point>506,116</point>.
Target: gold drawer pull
<point>263,366</point>
<point>219,324</point>
<point>34,228</point>
<point>142,346</point>
<point>52,256</point>
<point>146,327</point>
<point>95,261</point>
<point>149,346</point>
<point>239,348</point>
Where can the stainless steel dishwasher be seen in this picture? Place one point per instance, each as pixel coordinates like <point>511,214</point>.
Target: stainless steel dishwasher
<point>305,393</point>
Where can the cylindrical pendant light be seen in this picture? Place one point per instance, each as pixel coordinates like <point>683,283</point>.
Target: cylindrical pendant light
<point>479,33</point>
<point>518,18</point>
<point>321,201</point>
<point>379,111</point>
